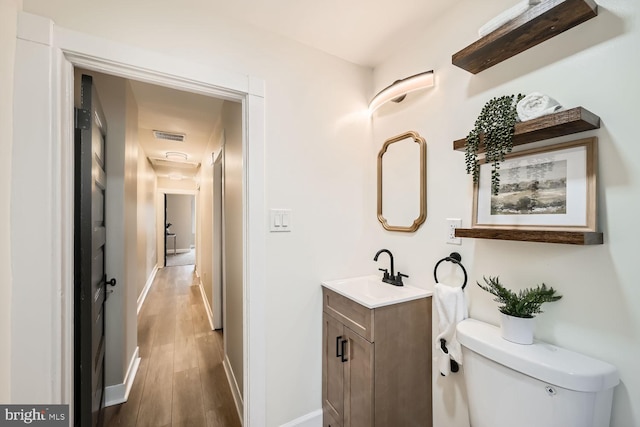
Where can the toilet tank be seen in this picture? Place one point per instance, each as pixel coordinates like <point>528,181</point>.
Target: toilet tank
<point>534,385</point>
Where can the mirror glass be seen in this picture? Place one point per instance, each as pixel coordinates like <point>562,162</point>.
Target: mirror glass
<point>402,182</point>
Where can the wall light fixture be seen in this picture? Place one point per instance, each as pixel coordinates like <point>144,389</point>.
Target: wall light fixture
<point>400,88</point>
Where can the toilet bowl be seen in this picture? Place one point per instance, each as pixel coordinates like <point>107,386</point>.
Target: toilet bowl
<point>534,385</point>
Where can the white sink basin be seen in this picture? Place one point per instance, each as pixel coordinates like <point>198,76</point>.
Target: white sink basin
<point>372,292</point>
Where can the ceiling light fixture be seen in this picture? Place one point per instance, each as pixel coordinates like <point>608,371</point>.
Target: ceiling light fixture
<point>175,155</point>
<point>175,177</point>
<point>399,89</point>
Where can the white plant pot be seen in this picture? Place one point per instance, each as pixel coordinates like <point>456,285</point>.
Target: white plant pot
<point>517,329</point>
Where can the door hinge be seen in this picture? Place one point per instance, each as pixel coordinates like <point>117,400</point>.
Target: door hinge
<point>82,119</point>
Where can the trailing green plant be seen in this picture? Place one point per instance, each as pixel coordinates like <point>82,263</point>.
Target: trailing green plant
<point>526,303</point>
<point>496,124</point>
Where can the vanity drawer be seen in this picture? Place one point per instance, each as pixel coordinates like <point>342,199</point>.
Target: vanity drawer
<point>354,316</point>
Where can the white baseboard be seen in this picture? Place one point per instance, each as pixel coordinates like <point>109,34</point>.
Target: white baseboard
<point>312,419</point>
<point>147,286</point>
<point>119,393</point>
<point>235,390</point>
<point>207,307</point>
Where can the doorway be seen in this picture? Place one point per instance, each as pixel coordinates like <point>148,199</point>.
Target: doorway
<point>180,230</point>
<point>55,58</point>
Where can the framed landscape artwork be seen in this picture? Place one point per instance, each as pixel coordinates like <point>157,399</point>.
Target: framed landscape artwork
<point>549,188</point>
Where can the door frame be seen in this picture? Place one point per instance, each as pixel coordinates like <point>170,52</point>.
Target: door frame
<point>42,331</point>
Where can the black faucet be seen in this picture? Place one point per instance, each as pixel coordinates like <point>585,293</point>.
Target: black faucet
<point>392,279</point>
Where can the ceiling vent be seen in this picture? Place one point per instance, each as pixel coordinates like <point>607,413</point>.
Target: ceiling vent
<point>169,136</point>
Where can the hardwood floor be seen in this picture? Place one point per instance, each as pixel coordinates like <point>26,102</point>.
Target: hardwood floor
<point>181,380</point>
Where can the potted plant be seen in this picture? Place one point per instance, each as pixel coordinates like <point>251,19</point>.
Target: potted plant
<point>494,126</point>
<point>519,309</point>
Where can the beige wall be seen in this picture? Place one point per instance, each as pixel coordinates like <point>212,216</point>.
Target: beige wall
<point>228,133</point>
<point>233,238</point>
<point>205,236</point>
<point>146,210</point>
<point>167,184</point>
<point>133,279</point>
<point>8,11</point>
<point>594,65</point>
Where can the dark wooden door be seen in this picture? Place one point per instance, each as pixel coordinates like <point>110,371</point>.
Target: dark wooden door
<point>90,280</point>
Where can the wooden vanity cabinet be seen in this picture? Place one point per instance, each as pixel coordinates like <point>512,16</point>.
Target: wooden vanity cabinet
<point>376,363</point>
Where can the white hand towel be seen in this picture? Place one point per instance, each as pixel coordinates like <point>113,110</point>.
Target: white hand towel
<point>504,17</point>
<point>536,105</point>
<point>451,306</point>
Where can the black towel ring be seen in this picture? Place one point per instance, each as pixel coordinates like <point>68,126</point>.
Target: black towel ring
<point>455,258</point>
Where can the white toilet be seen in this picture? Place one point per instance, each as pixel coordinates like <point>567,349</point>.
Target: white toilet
<point>538,385</point>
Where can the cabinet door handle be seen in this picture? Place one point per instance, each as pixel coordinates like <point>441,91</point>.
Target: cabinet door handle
<point>338,346</point>
<point>342,345</point>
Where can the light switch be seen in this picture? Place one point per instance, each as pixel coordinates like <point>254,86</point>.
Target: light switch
<point>280,220</point>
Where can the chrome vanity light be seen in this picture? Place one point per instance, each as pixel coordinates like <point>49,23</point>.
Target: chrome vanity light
<point>400,88</point>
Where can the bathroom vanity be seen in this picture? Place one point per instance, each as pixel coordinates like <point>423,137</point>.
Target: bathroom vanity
<point>376,359</point>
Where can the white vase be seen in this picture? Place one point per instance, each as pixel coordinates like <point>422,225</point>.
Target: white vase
<point>517,329</point>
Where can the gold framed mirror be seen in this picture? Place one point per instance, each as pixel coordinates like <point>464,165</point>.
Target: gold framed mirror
<point>402,182</point>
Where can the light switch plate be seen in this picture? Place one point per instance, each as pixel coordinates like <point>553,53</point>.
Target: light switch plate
<point>280,220</point>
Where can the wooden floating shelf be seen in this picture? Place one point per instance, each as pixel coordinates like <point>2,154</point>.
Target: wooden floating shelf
<point>544,236</point>
<point>561,123</point>
<point>537,24</point>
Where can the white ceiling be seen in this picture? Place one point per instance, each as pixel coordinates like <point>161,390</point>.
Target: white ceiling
<point>364,32</point>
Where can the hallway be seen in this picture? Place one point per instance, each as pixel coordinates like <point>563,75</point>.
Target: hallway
<point>181,380</point>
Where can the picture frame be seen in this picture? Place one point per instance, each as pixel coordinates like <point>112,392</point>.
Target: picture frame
<point>547,188</point>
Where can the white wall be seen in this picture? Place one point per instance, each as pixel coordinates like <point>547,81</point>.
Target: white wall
<point>180,215</point>
<point>317,139</point>
<point>8,11</point>
<point>594,65</point>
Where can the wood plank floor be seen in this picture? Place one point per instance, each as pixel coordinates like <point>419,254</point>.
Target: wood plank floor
<point>181,380</point>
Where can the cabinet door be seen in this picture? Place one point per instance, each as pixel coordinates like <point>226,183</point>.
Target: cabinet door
<point>332,368</point>
<point>358,377</point>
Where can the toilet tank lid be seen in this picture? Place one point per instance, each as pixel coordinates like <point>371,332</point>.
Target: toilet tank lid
<point>540,360</point>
